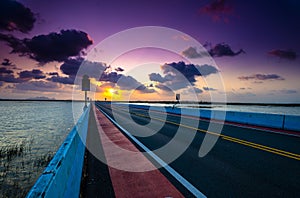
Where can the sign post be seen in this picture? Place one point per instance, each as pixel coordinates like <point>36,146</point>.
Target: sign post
<point>85,87</point>
<point>177,97</point>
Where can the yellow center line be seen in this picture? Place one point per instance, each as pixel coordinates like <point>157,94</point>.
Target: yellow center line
<point>259,145</point>
<point>261,148</point>
<point>229,138</point>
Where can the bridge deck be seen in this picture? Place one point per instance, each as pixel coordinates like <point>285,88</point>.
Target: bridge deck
<point>124,181</point>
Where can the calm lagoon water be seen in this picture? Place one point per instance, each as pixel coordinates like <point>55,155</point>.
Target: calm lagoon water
<point>30,134</point>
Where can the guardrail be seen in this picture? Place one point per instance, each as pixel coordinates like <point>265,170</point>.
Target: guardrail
<point>62,176</point>
<point>287,122</point>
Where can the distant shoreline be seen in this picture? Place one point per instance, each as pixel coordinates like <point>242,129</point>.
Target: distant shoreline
<point>169,102</point>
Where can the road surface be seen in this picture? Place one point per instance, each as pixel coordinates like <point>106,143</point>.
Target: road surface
<point>244,162</point>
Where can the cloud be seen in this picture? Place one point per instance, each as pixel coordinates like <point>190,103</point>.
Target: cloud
<point>163,87</point>
<point>261,77</point>
<point>110,77</point>
<point>1,84</point>
<point>206,70</point>
<point>218,10</point>
<point>6,62</point>
<point>288,91</point>
<point>192,90</point>
<point>209,89</point>
<point>191,52</point>
<point>4,70</point>
<point>180,75</point>
<point>285,54</point>
<point>129,83</point>
<point>53,73</point>
<point>157,78</point>
<point>33,74</point>
<point>119,69</point>
<point>71,66</point>
<point>38,86</point>
<point>6,75</point>
<point>63,80</point>
<point>15,16</point>
<point>51,47</point>
<point>10,78</point>
<point>222,49</point>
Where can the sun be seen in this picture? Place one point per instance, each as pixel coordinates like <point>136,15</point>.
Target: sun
<point>111,91</point>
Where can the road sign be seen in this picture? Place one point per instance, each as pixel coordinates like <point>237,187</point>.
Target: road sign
<point>177,97</point>
<point>85,83</point>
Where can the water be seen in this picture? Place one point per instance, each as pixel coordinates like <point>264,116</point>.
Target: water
<point>269,109</point>
<point>30,134</point>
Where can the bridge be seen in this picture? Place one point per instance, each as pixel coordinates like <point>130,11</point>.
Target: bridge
<point>254,155</point>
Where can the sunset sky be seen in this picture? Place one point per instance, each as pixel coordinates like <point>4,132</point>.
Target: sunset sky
<point>253,46</point>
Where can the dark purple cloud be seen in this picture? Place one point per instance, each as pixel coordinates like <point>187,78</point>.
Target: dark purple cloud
<point>180,75</point>
<point>285,54</point>
<point>261,77</point>
<point>209,89</point>
<point>191,52</point>
<point>15,16</point>
<point>222,49</point>
<point>4,70</point>
<point>119,69</point>
<point>33,74</point>
<point>10,78</point>
<point>157,78</point>
<point>63,80</point>
<point>206,70</point>
<point>6,62</point>
<point>218,10</point>
<point>71,66</point>
<point>110,77</point>
<point>51,47</point>
<point>53,73</point>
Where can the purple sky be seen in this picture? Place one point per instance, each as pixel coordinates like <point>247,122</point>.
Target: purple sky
<point>267,31</point>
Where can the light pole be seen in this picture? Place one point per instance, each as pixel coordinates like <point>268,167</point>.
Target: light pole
<point>85,87</point>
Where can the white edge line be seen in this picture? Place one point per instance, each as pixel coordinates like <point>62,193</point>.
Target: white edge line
<point>174,173</point>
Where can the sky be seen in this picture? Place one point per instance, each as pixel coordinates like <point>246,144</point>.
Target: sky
<point>205,50</point>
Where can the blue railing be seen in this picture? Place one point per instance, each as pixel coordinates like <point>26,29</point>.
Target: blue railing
<point>62,176</point>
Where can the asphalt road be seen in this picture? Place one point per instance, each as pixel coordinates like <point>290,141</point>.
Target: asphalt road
<point>243,163</point>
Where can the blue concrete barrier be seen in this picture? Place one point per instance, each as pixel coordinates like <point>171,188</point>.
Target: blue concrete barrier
<point>278,121</point>
<point>292,122</point>
<point>62,176</point>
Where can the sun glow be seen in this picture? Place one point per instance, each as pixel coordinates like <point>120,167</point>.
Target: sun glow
<point>111,91</point>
